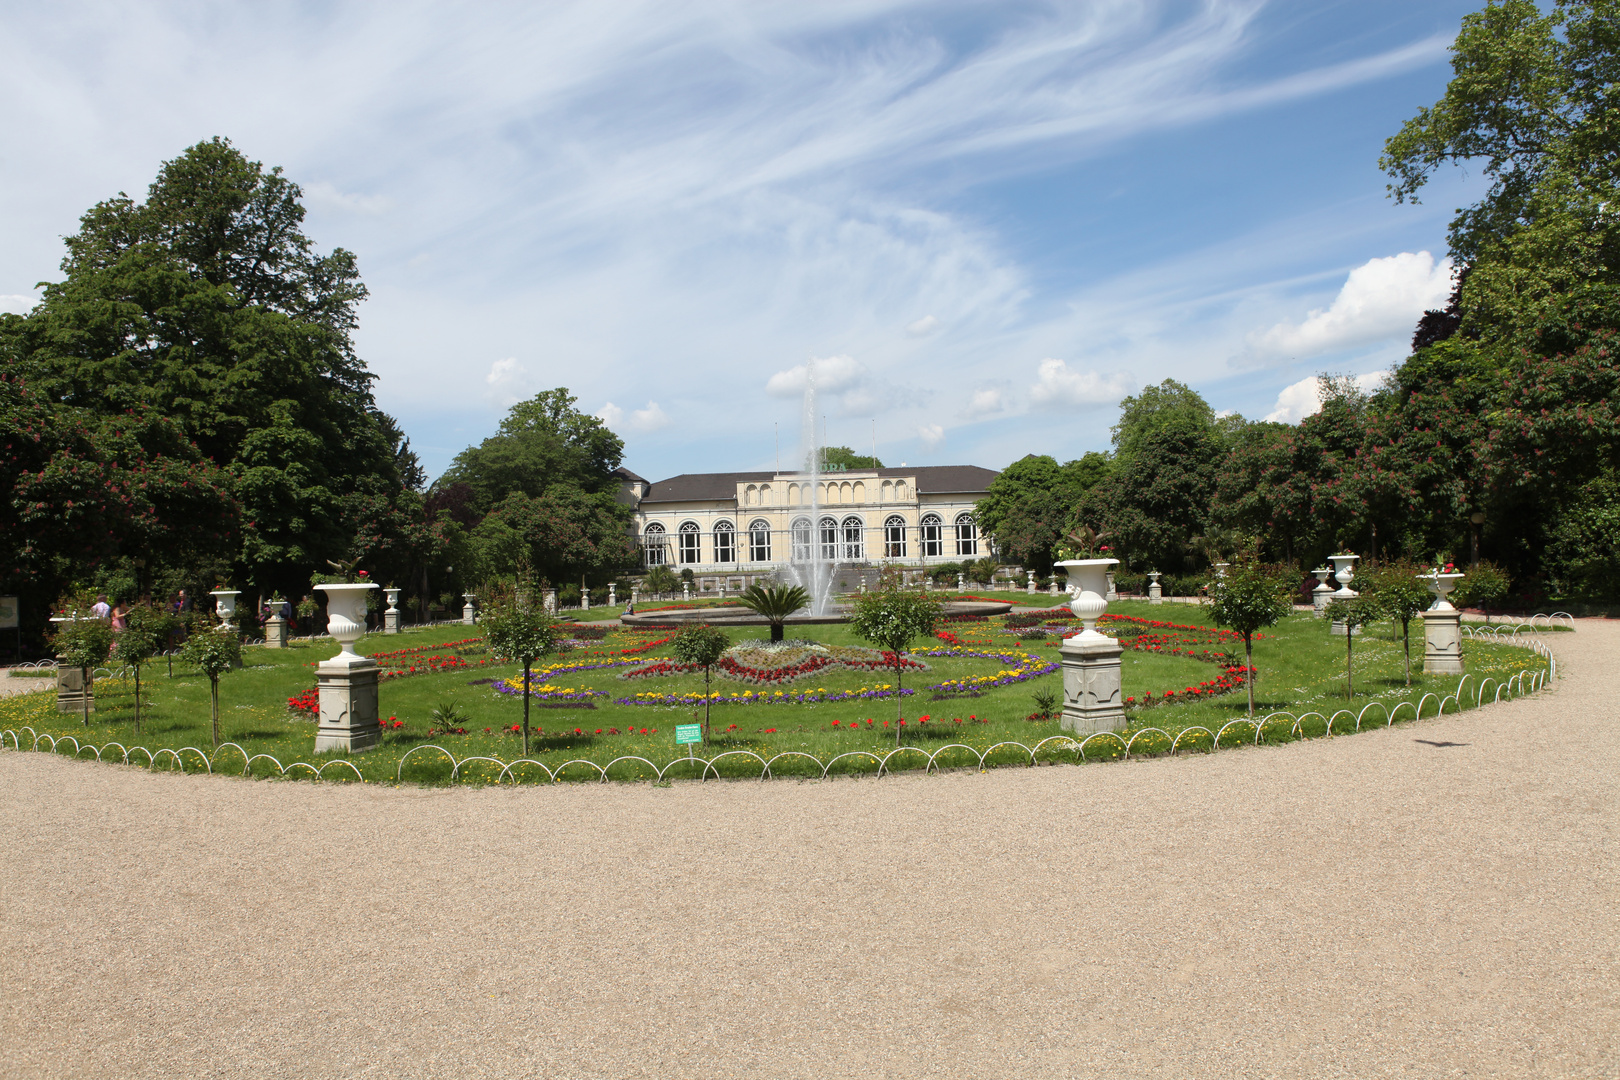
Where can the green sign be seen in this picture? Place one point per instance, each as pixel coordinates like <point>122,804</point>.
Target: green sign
<point>688,733</point>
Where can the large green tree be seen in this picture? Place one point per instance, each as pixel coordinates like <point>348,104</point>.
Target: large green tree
<point>206,304</point>
<point>1031,503</point>
<point>543,443</point>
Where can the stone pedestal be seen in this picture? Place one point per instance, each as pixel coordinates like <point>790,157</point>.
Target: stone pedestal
<point>686,592</point>
<point>391,615</point>
<point>469,614</point>
<point>961,582</point>
<point>1112,594</point>
<point>1052,589</point>
<point>1323,591</point>
<point>348,693</point>
<point>613,594</point>
<point>1155,590</point>
<point>1091,688</point>
<point>1344,569</point>
<point>1030,589</point>
<point>275,632</point>
<point>1442,641</point>
<point>71,691</point>
<point>550,603</point>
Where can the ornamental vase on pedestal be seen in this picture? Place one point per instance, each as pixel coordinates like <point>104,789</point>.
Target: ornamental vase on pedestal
<point>348,681</point>
<point>1092,699</point>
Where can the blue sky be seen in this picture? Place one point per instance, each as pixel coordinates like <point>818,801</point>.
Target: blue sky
<point>980,224</point>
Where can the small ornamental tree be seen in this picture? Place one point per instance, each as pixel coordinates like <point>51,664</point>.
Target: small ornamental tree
<point>214,651</point>
<point>1352,613</point>
<point>774,603</point>
<point>892,617</point>
<point>1249,597</point>
<point>85,643</point>
<point>147,632</point>
<point>517,629</point>
<point>1396,588</point>
<point>701,644</point>
<point>1485,584</point>
<point>661,579</point>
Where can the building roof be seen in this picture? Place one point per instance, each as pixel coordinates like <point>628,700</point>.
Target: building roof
<point>717,487</point>
<point>625,474</point>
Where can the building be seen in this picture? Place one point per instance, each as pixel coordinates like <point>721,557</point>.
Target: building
<point>753,524</point>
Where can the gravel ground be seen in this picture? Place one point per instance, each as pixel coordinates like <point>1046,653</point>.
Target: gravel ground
<point>1433,900</point>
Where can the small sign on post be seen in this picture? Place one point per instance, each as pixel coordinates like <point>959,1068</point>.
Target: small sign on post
<point>688,734</point>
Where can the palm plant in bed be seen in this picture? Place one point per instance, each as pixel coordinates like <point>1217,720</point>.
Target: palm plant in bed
<point>774,603</point>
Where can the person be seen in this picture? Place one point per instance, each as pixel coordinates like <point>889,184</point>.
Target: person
<point>120,616</point>
<point>100,609</point>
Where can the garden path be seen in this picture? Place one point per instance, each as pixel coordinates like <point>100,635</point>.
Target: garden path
<point>1435,899</point>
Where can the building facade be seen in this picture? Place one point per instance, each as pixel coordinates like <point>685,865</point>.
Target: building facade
<point>754,524</point>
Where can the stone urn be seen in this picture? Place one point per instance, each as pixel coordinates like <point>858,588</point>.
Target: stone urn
<point>391,615</point>
<point>469,614</point>
<point>1155,590</point>
<point>1441,585</point>
<point>1088,582</point>
<point>346,618</point>
<point>225,604</point>
<point>1344,571</point>
<point>1320,594</point>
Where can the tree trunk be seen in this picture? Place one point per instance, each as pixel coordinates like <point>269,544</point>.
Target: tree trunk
<point>213,693</point>
<point>1248,654</point>
<point>137,699</point>
<point>899,699</point>
<point>1349,677</point>
<point>776,631</point>
<point>1406,639</point>
<point>84,693</point>
<point>705,703</point>
<point>525,708</point>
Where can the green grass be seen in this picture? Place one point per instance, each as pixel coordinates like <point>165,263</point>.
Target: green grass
<point>1301,670</point>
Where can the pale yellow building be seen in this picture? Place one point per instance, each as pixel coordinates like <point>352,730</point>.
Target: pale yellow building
<point>757,523</point>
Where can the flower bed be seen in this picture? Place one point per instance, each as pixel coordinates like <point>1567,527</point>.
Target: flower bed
<point>1020,667</point>
<point>1231,678</point>
<point>764,697</point>
<point>760,665</point>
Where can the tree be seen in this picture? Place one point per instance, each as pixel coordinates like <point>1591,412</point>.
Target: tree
<point>661,579</point>
<point>145,635</point>
<point>1395,587</point>
<point>1029,504</point>
<point>1158,499</point>
<point>543,443</point>
<point>207,305</point>
<point>1484,585</point>
<point>773,603</point>
<point>84,642</point>
<point>1250,597</point>
<point>519,630</point>
<point>215,650</point>
<point>1143,416</point>
<point>892,617</point>
<point>839,458</point>
<point>702,644</point>
<point>1352,614</point>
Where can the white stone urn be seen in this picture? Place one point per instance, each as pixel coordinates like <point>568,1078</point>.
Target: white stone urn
<point>225,604</point>
<point>1320,594</point>
<point>1441,585</point>
<point>1344,571</point>
<point>393,598</point>
<point>346,618</point>
<point>1088,582</point>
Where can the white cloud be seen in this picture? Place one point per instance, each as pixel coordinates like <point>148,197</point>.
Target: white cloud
<point>17,305</point>
<point>1382,298</point>
<point>649,419</point>
<point>508,382</point>
<point>932,436</point>
<point>832,374</point>
<point>324,195</point>
<point>610,414</point>
<point>1304,398</point>
<point>987,402</point>
<point>1057,387</point>
<point>922,327</point>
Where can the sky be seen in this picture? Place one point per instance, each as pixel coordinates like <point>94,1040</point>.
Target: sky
<point>974,226</point>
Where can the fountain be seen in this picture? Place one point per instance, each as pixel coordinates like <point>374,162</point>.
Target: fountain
<point>812,572</point>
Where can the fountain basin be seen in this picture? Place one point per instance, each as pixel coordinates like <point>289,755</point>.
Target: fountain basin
<point>732,615</point>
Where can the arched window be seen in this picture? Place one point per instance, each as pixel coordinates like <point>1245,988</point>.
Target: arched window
<point>894,537</point>
<point>725,542</point>
<point>854,546</point>
<point>933,542</point>
<point>803,539</point>
<point>652,545</point>
<point>967,535</point>
<point>687,547</point>
<point>828,527</point>
<point>759,541</point>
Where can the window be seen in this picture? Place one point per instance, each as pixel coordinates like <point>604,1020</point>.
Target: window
<point>829,539</point>
<point>759,541</point>
<point>803,539</point>
<point>967,535</point>
<point>687,547</point>
<point>725,542</point>
<point>933,544</point>
<point>854,546</point>
<point>652,545</point>
<point>894,538</point>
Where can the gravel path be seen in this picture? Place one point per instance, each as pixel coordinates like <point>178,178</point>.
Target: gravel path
<point>1434,900</point>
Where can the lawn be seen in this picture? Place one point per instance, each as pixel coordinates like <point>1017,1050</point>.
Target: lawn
<point>583,710</point>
